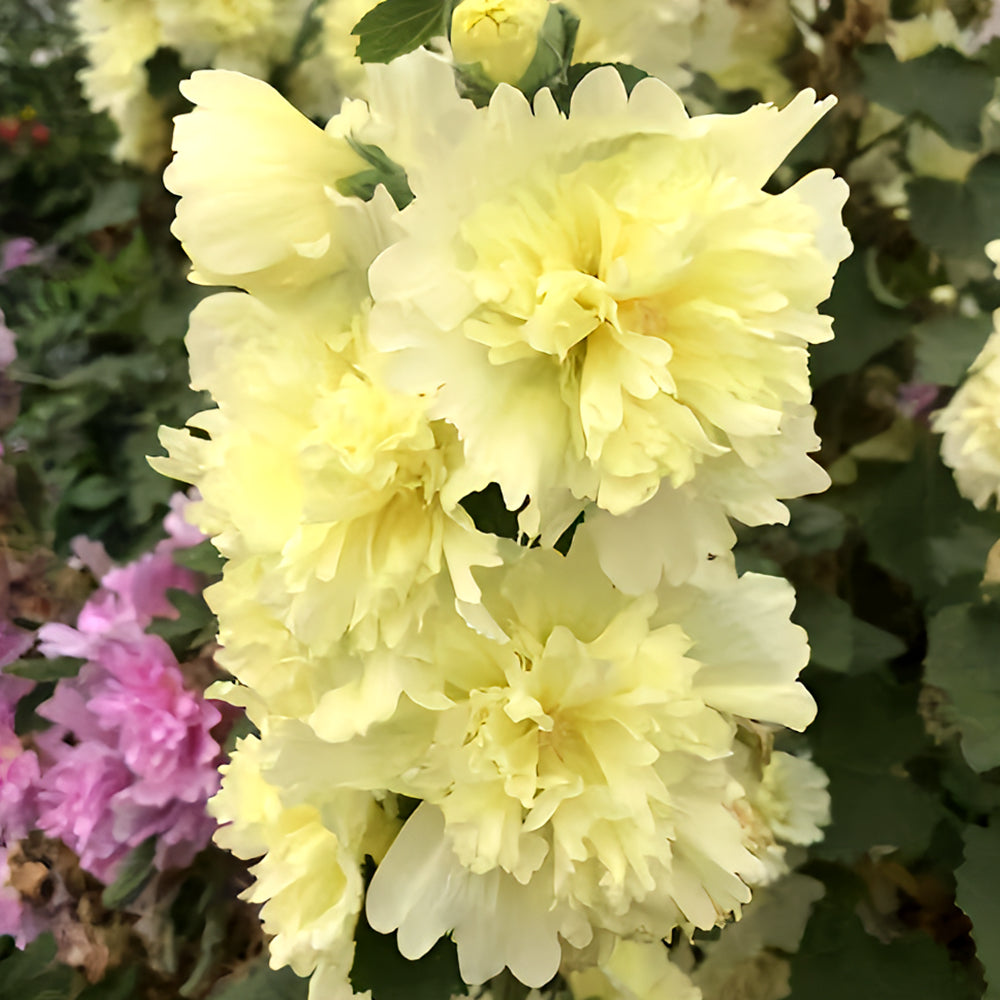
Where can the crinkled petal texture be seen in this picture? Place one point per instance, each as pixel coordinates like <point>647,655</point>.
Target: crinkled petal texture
<point>793,798</point>
<point>309,880</point>
<point>334,499</point>
<point>610,300</point>
<point>573,767</point>
<point>258,183</point>
<point>970,427</point>
<point>140,762</point>
<point>119,36</point>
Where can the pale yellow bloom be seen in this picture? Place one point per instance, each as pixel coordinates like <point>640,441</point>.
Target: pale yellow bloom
<point>335,500</point>
<point>118,37</point>
<point>747,960</point>
<point>247,35</point>
<point>575,763</point>
<point>993,252</point>
<point>740,44</point>
<point>654,37</point>
<point>258,181</point>
<point>793,799</point>
<point>324,79</point>
<point>970,426</point>
<point>620,305</point>
<point>309,879</point>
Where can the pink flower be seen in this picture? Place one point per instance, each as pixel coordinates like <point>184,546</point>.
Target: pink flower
<point>181,535</point>
<point>19,775</point>
<point>18,252</point>
<point>141,763</point>
<point>130,596</point>
<point>130,755</point>
<point>135,594</point>
<point>18,767</point>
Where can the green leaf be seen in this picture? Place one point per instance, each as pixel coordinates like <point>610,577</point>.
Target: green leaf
<point>942,86</point>
<point>963,641</point>
<point>383,171</point>
<point>136,871</point>
<point>94,492</point>
<point>866,721</point>
<point>551,63</point>
<point>396,27</point>
<point>873,647</point>
<point>918,528</point>
<point>34,974</point>
<point>827,619</point>
<point>113,205</point>
<point>194,626</point>
<point>202,558</point>
<point>379,967</point>
<point>117,984</point>
<point>838,640</point>
<point>954,217</point>
<point>41,669</point>
<point>263,983</point>
<point>947,345</point>
<point>977,893</point>
<point>881,811</point>
<point>630,75</point>
<point>866,729</point>
<point>862,325</point>
<point>816,526</point>
<point>213,935</point>
<point>838,958</point>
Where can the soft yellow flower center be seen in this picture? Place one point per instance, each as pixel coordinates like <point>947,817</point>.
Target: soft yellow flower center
<point>558,755</point>
<point>654,283</point>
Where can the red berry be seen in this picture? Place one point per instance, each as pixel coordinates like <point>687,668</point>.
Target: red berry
<point>10,128</point>
<point>40,134</point>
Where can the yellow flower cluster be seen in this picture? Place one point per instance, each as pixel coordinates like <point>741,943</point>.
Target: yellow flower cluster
<point>601,316</point>
<point>253,36</point>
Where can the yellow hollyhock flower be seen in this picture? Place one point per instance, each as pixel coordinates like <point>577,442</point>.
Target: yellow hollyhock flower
<point>793,798</point>
<point>575,763</point>
<point>970,426</point>
<point>309,879</point>
<point>246,35</point>
<point>118,37</point>
<point>335,500</point>
<point>258,181</point>
<point>610,301</point>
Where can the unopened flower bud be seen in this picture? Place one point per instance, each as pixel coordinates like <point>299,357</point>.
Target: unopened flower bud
<point>500,37</point>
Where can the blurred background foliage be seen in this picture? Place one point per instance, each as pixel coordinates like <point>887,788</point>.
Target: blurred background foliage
<point>101,309</point>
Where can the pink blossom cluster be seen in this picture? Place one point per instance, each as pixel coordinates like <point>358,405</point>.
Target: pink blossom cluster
<point>130,754</point>
<point>19,775</point>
